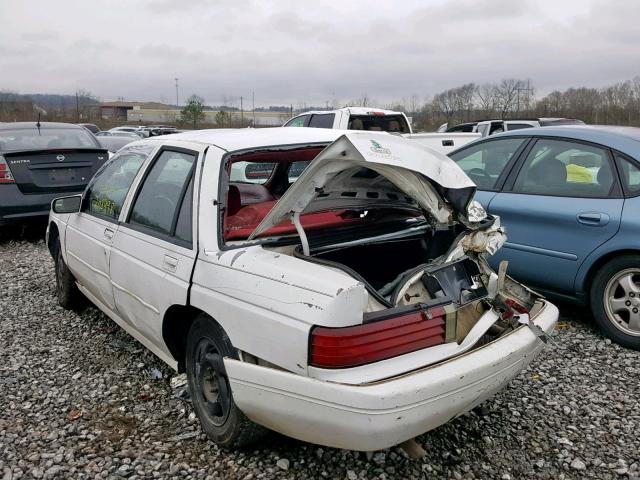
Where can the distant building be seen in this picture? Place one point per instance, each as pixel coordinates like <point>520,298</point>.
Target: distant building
<point>155,115</point>
<point>120,110</point>
<point>154,112</point>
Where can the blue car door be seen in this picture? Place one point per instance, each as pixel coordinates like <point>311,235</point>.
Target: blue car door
<point>560,203</point>
<point>488,162</point>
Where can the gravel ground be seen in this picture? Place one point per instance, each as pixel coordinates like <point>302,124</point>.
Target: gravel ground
<point>81,399</point>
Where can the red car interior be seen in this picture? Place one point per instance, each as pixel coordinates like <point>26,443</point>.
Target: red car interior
<point>248,203</point>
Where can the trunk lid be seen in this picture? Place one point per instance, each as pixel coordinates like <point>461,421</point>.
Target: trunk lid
<point>54,170</point>
<point>434,181</point>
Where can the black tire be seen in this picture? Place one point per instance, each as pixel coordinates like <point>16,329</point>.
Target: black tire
<point>69,297</point>
<point>607,322</point>
<point>220,418</point>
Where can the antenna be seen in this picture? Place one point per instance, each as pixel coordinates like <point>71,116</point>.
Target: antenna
<point>38,122</point>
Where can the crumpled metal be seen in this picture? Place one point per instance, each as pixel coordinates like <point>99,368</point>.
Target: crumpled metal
<point>485,241</point>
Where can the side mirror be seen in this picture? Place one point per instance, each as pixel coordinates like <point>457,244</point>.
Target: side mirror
<point>67,204</point>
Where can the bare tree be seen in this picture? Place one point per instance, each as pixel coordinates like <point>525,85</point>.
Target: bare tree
<point>506,95</point>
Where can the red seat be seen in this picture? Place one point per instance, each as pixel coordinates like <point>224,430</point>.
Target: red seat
<point>245,221</point>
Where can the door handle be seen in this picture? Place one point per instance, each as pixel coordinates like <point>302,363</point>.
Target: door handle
<point>170,261</point>
<point>108,233</point>
<point>593,218</point>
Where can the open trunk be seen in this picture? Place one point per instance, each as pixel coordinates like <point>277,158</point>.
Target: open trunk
<point>424,293</point>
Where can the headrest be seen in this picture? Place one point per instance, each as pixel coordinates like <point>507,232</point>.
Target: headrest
<point>548,173</point>
<point>357,124</point>
<point>234,201</point>
<point>605,176</point>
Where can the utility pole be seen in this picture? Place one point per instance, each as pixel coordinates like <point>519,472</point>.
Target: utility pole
<point>241,113</point>
<point>253,107</point>
<point>77,108</point>
<point>177,98</point>
<point>529,90</point>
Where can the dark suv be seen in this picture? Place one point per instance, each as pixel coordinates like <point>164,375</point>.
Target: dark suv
<point>42,161</point>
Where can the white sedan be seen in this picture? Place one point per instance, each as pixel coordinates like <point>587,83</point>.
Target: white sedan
<point>352,307</point>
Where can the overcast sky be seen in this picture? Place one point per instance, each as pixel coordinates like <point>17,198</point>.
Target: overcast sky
<point>293,51</point>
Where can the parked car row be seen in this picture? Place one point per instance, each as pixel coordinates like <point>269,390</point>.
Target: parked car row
<point>347,288</point>
<point>491,127</point>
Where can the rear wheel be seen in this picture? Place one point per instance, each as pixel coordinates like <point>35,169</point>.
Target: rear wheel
<point>615,300</point>
<point>69,297</point>
<point>221,419</point>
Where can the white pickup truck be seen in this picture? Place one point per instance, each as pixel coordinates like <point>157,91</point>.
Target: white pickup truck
<point>379,120</point>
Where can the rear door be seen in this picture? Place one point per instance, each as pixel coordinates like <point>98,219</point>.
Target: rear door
<point>488,162</point>
<point>154,249</point>
<point>55,170</point>
<point>90,233</point>
<point>562,201</point>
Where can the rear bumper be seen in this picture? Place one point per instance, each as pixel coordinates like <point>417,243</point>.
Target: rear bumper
<point>382,414</point>
<point>16,207</point>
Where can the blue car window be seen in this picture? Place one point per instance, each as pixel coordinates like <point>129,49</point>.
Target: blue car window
<point>484,162</point>
<point>564,168</point>
<point>630,175</point>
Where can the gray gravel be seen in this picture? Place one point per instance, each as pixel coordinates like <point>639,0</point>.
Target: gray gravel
<point>79,398</point>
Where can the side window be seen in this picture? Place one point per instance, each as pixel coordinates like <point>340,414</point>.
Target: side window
<point>106,193</point>
<point>300,121</point>
<point>184,227</point>
<point>518,126</point>
<point>296,169</point>
<point>484,129</point>
<point>322,120</point>
<point>484,162</point>
<point>251,172</point>
<point>564,168</point>
<point>162,193</point>
<point>630,173</point>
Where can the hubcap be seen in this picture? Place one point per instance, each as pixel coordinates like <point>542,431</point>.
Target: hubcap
<point>212,385</point>
<point>622,301</point>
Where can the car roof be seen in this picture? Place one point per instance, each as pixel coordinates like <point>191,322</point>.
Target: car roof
<point>351,111</point>
<point>624,139</point>
<point>243,138</point>
<point>34,125</point>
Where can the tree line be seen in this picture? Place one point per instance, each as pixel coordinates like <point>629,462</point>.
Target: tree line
<point>617,104</point>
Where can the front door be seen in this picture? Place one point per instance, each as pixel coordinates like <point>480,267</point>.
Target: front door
<point>487,164</point>
<point>564,203</point>
<point>90,233</point>
<point>153,250</point>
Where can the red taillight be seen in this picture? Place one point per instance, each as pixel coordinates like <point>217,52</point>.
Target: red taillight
<point>5,173</point>
<point>377,114</point>
<point>371,342</point>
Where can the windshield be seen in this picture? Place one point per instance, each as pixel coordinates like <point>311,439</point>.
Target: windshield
<point>45,138</point>
<point>379,123</point>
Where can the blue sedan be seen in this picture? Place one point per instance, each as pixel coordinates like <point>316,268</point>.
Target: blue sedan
<point>569,198</point>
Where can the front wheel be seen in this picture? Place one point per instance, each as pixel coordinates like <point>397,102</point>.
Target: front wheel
<point>615,300</point>
<point>69,297</point>
<point>221,419</point>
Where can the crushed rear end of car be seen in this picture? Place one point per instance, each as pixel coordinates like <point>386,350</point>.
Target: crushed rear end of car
<point>424,332</point>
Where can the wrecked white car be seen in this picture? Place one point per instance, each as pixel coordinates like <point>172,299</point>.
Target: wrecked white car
<point>351,308</point>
